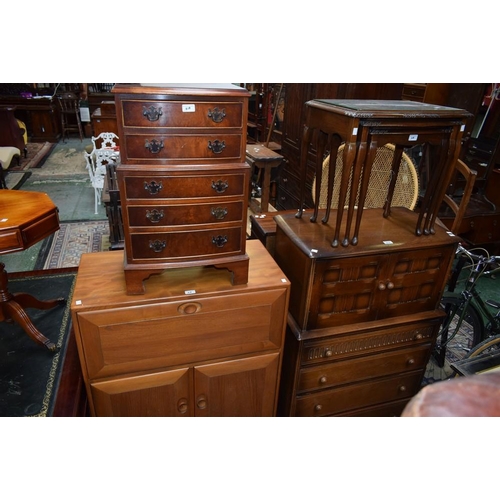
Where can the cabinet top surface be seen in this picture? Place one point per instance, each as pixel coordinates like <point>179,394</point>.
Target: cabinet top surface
<point>101,280</point>
<point>377,234</point>
<point>380,108</point>
<point>188,89</point>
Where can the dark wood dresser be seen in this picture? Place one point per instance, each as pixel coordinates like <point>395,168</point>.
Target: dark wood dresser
<point>183,179</point>
<point>362,319</point>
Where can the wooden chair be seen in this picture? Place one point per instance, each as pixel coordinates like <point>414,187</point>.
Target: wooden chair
<point>405,191</point>
<point>458,202</point>
<point>69,105</point>
<point>12,131</point>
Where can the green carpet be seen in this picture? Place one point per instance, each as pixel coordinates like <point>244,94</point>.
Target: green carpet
<point>29,373</point>
<point>73,197</point>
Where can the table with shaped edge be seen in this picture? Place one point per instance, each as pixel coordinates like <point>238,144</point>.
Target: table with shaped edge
<point>25,219</point>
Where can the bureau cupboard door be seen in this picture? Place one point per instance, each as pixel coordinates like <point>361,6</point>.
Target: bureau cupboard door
<point>241,388</point>
<point>357,289</point>
<point>165,394</point>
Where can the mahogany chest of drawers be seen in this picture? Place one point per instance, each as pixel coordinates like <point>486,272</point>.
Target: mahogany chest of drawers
<point>193,345</point>
<point>184,181</point>
<point>362,319</point>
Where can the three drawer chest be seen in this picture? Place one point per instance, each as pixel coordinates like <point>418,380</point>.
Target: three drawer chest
<point>363,319</point>
<point>183,179</point>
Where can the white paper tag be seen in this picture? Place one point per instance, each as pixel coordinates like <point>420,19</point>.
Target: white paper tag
<point>189,292</point>
<point>355,131</point>
<point>413,137</point>
<point>388,242</point>
<point>188,108</point>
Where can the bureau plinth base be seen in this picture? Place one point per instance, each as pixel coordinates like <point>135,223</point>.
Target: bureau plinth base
<point>136,274</point>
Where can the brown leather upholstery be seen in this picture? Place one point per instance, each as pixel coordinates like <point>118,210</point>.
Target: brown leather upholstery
<point>474,396</point>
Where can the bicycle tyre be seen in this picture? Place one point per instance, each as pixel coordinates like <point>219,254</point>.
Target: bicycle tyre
<point>491,344</point>
<point>472,323</point>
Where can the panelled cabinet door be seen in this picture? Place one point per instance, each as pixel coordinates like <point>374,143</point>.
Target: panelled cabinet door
<point>241,388</point>
<point>153,395</point>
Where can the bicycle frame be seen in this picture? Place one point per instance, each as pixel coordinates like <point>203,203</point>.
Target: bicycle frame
<point>462,303</point>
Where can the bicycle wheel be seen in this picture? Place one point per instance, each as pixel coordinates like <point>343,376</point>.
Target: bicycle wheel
<point>471,332</point>
<point>489,346</point>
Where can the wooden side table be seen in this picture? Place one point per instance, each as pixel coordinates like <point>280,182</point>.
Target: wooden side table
<point>365,125</point>
<point>25,218</point>
<point>264,159</point>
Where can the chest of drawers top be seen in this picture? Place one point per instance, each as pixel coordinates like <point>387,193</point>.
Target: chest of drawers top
<point>181,123</point>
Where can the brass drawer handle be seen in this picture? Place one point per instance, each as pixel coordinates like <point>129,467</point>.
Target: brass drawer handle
<point>402,388</point>
<point>318,408</point>
<point>157,245</point>
<point>323,380</point>
<point>189,308</point>
<point>217,115</point>
<point>217,146</point>
<point>220,186</point>
<point>154,216</point>
<point>328,353</point>
<point>152,114</point>
<point>219,213</point>
<point>410,362</point>
<point>154,146</point>
<point>219,241</point>
<point>153,187</point>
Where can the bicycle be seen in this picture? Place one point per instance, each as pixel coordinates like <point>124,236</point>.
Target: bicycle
<point>469,321</point>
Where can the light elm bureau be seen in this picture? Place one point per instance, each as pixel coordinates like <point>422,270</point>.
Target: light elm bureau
<point>193,345</point>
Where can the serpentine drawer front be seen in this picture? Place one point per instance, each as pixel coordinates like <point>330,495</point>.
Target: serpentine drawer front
<point>163,114</point>
<point>183,170</point>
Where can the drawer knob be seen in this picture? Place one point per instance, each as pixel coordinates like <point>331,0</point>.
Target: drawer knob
<point>157,245</point>
<point>322,380</point>
<point>182,405</point>
<point>402,388</point>
<point>318,408</point>
<point>217,114</point>
<point>201,402</point>
<point>153,187</point>
<point>189,308</point>
<point>217,146</point>
<point>154,216</point>
<point>390,285</point>
<point>219,213</point>
<point>219,241</point>
<point>220,186</point>
<point>381,286</point>
<point>410,362</point>
<point>154,146</point>
<point>328,353</point>
<point>152,114</point>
